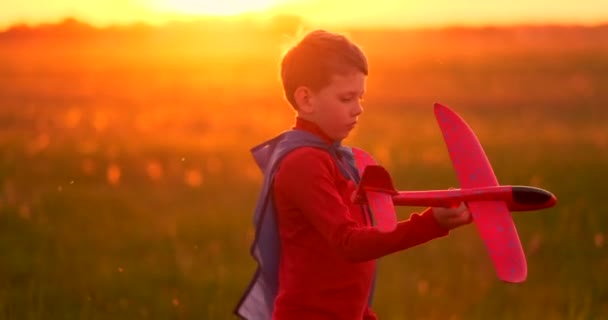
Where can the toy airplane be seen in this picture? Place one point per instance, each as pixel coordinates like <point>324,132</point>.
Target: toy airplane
<point>489,203</point>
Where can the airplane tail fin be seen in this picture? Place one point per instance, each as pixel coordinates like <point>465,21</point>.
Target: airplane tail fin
<point>376,178</point>
<point>377,189</point>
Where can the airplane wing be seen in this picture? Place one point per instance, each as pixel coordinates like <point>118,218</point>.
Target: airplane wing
<point>380,201</point>
<point>492,218</point>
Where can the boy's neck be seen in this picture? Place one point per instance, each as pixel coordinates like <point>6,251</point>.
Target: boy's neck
<point>307,125</point>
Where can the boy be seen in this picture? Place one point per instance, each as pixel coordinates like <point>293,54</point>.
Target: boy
<point>316,249</point>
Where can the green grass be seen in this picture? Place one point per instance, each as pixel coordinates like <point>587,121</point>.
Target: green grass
<point>74,246</point>
<point>162,249</point>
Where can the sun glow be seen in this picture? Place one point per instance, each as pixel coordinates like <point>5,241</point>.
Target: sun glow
<point>213,7</point>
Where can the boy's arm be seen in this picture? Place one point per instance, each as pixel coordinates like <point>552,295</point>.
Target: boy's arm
<point>306,177</point>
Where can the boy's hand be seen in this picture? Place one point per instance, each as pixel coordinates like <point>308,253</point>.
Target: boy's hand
<point>454,217</point>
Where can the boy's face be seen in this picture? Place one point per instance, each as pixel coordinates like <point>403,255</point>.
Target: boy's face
<point>336,107</point>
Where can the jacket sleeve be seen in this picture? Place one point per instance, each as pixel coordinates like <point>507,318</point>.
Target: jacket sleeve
<point>306,178</point>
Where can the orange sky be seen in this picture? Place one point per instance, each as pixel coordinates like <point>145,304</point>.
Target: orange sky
<point>405,13</point>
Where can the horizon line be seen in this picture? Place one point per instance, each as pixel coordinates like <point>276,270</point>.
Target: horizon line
<point>248,17</point>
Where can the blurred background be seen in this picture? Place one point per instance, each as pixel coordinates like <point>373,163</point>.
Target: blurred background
<point>127,188</point>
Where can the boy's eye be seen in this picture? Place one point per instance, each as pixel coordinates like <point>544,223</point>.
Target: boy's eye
<point>350,98</point>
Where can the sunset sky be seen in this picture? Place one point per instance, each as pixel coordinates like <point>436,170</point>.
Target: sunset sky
<point>377,13</point>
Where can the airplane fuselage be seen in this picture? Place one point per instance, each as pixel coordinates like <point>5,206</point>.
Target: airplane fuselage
<point>517,198</point>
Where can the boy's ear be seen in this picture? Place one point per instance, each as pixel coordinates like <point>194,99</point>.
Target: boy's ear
<point>303,97</point>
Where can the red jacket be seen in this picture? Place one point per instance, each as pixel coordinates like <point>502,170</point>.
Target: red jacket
<point>328,246</point>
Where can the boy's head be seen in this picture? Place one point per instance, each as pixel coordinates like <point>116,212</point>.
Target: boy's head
<point>323,78</point>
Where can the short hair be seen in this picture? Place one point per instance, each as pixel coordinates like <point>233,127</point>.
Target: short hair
<point>316,58</point>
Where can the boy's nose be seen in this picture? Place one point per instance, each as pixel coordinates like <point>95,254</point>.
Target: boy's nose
<point>358,109</point>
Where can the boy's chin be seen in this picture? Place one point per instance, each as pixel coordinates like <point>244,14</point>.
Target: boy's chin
<point>341,136</point>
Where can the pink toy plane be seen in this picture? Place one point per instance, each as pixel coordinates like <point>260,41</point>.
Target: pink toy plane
<point>489,203</point>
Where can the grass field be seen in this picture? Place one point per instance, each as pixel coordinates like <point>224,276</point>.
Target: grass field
<point>127,190</point>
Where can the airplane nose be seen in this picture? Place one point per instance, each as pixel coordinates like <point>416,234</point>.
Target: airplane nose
<point>533,196</point>
<point>553,201</point>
